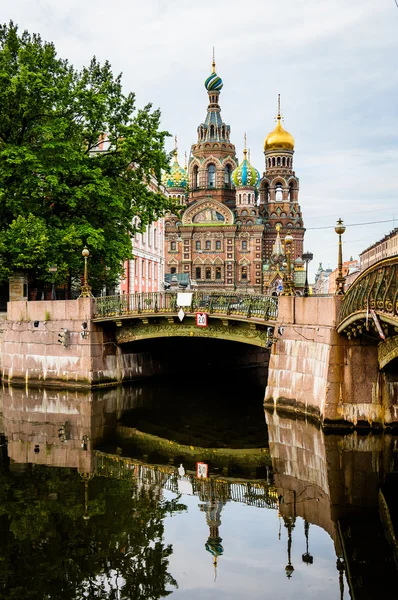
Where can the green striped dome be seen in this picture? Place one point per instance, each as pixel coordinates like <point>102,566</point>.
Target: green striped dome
<point>213,83</point>
<point>245,174</point>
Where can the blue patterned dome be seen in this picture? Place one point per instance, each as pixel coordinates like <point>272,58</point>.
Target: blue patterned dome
<point>178,176</point>
<point>245,174</point>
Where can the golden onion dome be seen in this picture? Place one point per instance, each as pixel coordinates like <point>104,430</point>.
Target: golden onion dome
<point>279,138</point>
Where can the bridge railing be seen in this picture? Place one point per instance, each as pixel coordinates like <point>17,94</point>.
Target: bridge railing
<point>376,288</point>
<point>248,305</point>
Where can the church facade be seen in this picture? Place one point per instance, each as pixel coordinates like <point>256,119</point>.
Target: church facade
<point>229,235</point>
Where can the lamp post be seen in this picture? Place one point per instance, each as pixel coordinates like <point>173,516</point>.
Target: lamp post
<point>307,258</point>
<point>288,284</point>
<point>85,288</point>
<point>53,269</point>
<point>340,280</point>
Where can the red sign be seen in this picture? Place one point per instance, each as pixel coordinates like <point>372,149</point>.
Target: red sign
<point>202,470</point>
<point>201,319</point>
<point>377,323</point>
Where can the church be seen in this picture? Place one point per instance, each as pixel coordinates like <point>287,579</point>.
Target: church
<point>230,233</point>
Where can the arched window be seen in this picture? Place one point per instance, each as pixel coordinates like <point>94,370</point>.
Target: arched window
<point>279,161</point>
<point>248,198</point>
<point>208,272</point>
<point>291,192</point>
<point>273,162</point>
<point>197,245</point>
<point>218,245</point>
<point>278,192</point>
<point>208,245</point>
<point>244,273</point>
<point>244,245</point>
<point>211,175</point>
<point>195,177</point>
<point>283,162</point>
<point>240,198</point>
<point>211,131</point>
<point>218,272</point>
<point>198,273</point>
<point>227,176</point>
<point>244,198</point>
<point>173,246</point>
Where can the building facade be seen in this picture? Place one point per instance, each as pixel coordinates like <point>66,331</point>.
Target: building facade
<point>145,273</point>
<point>350,270</point>
<point>231,216</point>
<point>384,248</point>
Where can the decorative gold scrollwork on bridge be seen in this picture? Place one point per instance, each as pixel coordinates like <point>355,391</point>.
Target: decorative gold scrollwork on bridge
<point>375,289</point>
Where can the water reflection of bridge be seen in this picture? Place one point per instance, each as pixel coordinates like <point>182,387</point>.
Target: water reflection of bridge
<point>254,493</point>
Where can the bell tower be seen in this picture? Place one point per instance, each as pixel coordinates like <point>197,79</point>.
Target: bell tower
<point>279,189</point>
<point>213,157</point>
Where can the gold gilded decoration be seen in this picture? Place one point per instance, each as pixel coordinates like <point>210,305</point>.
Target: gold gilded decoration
<point>279,138</point>
<point>238,334</point>
<point>388,351</point>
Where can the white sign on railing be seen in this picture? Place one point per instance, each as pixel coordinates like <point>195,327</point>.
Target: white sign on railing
<point>184,299</point>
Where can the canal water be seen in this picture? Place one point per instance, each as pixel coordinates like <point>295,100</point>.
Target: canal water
<point>99,497</point>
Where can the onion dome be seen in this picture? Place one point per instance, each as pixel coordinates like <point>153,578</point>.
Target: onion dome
<point>245,174</point>
<point>279,138</point>
<point>213,83</point>
<point>178,176</point>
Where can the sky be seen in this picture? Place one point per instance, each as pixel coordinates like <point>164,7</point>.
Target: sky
<point>334,62</point>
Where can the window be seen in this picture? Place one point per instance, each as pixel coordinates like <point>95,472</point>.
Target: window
<point>218,272</point>
<point>244,245</point>
<point>211,131</point>
<point>197,245</point>
<point>155,237</point>
<point>208,245</point>
<point>227,176</point>
<point>211,175</point>
<point>244,273</point>
<point>278,192</point>
<point>173,246</point>
<point>173,270</point>
<point>218,245</point>
<point>198,273</point>
<point>195,177</point>
<point>208,273</point>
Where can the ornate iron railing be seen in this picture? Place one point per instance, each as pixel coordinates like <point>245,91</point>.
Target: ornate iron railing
<point>247,305</point>
<point>376,288</point>
<point>254,493</point>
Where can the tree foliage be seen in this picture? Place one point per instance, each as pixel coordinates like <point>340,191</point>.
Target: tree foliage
<point>59,188</point>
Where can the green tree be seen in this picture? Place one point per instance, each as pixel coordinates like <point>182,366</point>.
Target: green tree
<point>59,188</point>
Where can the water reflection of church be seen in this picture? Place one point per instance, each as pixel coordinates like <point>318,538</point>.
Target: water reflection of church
<point>228,236</point>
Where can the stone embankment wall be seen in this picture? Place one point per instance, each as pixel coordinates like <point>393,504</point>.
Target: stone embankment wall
<point>317,371</point>
<point>33,355</point>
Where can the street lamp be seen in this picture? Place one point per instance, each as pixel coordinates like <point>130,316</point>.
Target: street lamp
<point>85,288</point>
<point>307,258</point>
<point>53,269</point>
<point>288,287</point>
<point>340,280</point>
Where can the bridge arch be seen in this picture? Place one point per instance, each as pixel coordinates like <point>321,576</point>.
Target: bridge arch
<point>370,308</point>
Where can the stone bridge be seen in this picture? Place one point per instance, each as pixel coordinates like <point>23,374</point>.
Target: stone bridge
<point>370,309</point>
<point>232,317</point>
<point>332,357</point>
